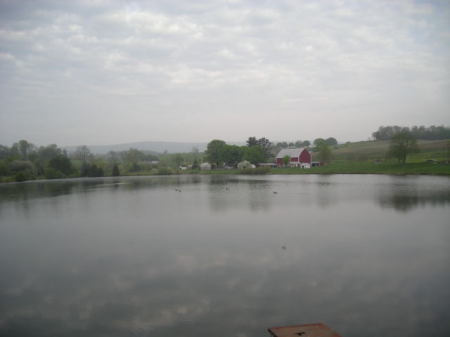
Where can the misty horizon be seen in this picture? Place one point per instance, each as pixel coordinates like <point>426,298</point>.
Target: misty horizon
<point>108,72</point>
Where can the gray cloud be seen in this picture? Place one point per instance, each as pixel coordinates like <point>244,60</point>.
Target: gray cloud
<point>117,71</point>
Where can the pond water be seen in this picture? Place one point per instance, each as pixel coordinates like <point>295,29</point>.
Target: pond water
<point>225,255</point>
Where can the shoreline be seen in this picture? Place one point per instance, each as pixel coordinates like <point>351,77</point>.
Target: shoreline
<point>434,170</point>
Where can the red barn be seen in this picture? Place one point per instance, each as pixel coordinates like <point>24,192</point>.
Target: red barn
<point>299,157</point>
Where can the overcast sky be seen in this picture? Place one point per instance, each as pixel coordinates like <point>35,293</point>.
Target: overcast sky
<point>103,72</point>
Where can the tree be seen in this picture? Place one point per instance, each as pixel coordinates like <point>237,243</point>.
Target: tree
<point>251,141</point>
<point>214,152</point>
<point>254,154</point>
<point>323,151</point>
<point>83,153</point>
<point>23,148</point>
<point>195,164</point>
<point>195,156</point>
<point>5,152</point>
<point>232,155</point>
<point>3,169</point>
<point>448,151</point>
<point>178,160</point>
<point>265,145</point>
<point>282,145</point>
<point>331,141</point>
<point>402,144</point>
<point>20,165</point>
<point>21,169</point>
<point>387,132</point>
<point>46,153</point>
<point>91,170</point>
<point>115,171</point>
<point>61,163</point>
<point>112,157</point>
<point>317,141</point>
<point>302,143</point>
<point>286,160</point>
<point>419,132</point>
<point>131,159</point>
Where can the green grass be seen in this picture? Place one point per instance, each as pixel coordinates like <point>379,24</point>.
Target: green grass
<point>370,150</point>
<point>337,167</point>
<point>350,167</point>
<point>367,167</point>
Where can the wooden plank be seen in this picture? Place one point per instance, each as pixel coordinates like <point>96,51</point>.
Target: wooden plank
<point>304,330</point>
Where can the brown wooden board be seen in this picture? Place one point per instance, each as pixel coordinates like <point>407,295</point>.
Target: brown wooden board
<point>304,330</point>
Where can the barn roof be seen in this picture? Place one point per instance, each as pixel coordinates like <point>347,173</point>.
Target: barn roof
<point>290,152</point>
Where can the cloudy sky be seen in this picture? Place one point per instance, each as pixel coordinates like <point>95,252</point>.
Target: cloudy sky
<point>102,72</point>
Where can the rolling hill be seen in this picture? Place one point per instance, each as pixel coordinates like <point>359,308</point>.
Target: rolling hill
<point>155,147</point>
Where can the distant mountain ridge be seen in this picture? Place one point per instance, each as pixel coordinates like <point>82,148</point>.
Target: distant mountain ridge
<point>150,146</point>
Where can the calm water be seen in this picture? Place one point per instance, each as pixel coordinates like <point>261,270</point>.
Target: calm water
<point>226,256</point>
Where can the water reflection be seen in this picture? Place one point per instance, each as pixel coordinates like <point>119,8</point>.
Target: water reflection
<point>136,257</point>
<point>258,193</point>
<point>326,196</point>
<point>57,187</point>
<point>225,296</point>
<point>228,192</point>
<point>407,195</point>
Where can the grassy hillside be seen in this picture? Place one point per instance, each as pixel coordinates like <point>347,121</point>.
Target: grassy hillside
<point>373,150</point>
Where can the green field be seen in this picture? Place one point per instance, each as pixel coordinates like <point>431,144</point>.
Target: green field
<point>369,157</point>
<point>376,150</point>
<point>340,167</point>
<point>367,167</point>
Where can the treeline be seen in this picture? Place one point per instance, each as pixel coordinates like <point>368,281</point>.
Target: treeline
<point>25,161</point>
<point>261,150</point>
<point>418,132</point>
<point>331,141</point>
<point>220,154</point>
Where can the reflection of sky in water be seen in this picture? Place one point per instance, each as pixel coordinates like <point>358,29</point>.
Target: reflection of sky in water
<point>135,257</point>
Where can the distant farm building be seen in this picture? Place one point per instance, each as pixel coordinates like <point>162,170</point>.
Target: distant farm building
<point>267,165</point>
<point>298,157</point>
<point>205,166</point>
<point>245,164</point>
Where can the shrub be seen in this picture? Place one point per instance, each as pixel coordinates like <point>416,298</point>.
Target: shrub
<point>115,171</point>
<point>88,170</point>
<point>21,176</point>
<point>51,173</point>
<point>258,170</point>
<point>17,166</point>
<point>3,169</point>
<point>163,171</point>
